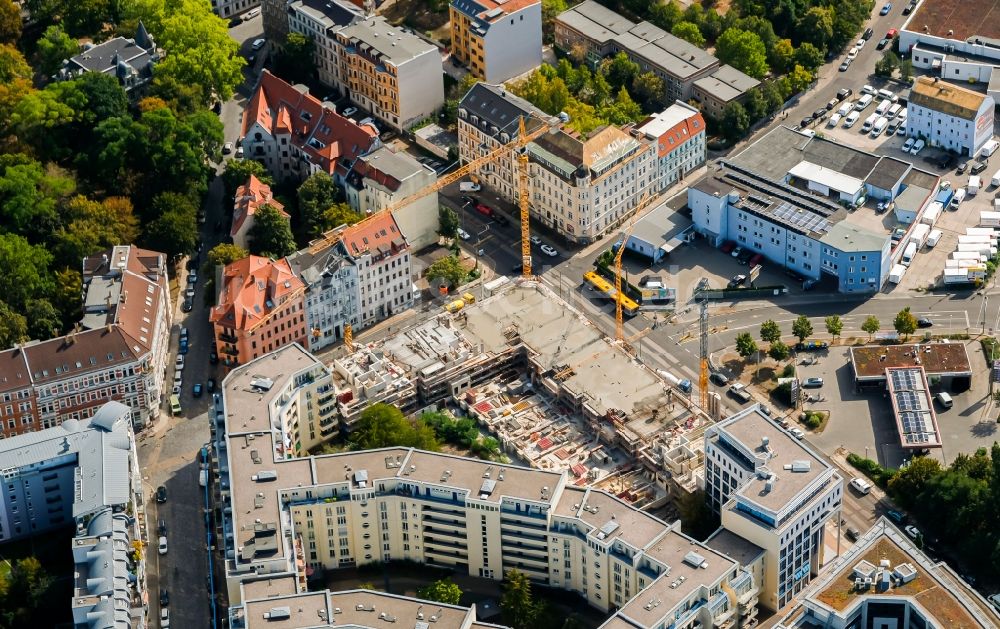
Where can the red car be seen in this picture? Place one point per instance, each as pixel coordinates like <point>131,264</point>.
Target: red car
<point>727,247</point>
<point>756,260</point>
<point>891,33</point>
<point>484,209</point>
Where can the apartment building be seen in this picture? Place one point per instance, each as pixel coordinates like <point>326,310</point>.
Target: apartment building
<point>43,491</point>
<point>483,518</point>
<point>320,20</point>
<point>581,187</point>
<point>274,18</point>
<point>227,9</point>
<point>260,309</point>
<point>384,178</point>
<point>949,116</point>
<point>389,72</point>
<point>249,198</point>
<point>885,579</point>
<point>385,273</point>
<point>332,295</point>
<point>294,135</point>
<point>679,133</point>
<point>595,32</point>
<point>774,491</point>
<point>118,350</point>
<point>497,40</point>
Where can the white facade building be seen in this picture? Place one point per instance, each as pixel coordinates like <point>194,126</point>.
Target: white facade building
<point>679,133</point>
<point>230,8</point>
<point>320,20</point>
<point>949,116</point>
<point>384,270</point>
<point>774,491</point>
<point>497,39</point>
<point>581,188</point>
<point>333,293</point>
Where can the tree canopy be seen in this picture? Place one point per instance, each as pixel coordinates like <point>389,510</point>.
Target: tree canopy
<point>834,325</point>
<point>745,345</point>
<point>448,269</point>
<point>871,325</point>
<point>905,323</point>
<point>743,50</point>
<point>802,328</point>
<point>271,235</point>
<point>382,426</point>
<point>769,331</point>
<point>441,591</point>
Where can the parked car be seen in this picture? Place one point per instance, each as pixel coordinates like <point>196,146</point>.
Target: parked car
<point>908,144</point>
<point>895,516</point>
<point>227,148</point>
<point>739,391</point>
<point>755,260</point>
<point>719,378</point>
<point>886,8</point>
<point>162,547</point>
<point>908,9</point>
<point>845,65</point>
<point>736,252</point>
<point>912,531</point>
<point>831,104</point>
<point>164,598</point>
<point>464,235</point>
<point>213,358</point>
<point>946,161</point>
<point>844,93</point>
<point>179,362</point>
<point>812,346</point>
<point>977,167</point>
<point>549,251</point>
<point>805,122</point>
<point>964,166</point>
<point>812,383</point>
<point>744,257</point>
<point>350,111</point>
<point>161,494</point>
<point>737,280</point>
<point>182,347</point>
<point>852,534</point>
<point>919,146</point>
<point>258,44</point>
<point>196,389</point>
<point>882,43</point>
<point>797,433</point>
<point>210,385</point>
<point>924,322</point>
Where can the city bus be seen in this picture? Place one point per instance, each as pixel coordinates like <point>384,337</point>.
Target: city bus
<point>629,305</point>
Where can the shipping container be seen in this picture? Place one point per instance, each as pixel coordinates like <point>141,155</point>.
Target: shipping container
<point>984,248</point>
<point>989,232</point>
<point>989,219</point>
<point>932,213</point>
<point>919,234</point>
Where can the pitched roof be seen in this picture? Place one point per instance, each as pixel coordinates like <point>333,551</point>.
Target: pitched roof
<point>378,233</point>
<point>494,105</point>
<point>389,169</point>
<point>251,289</point>
<point>672,127</point>
<point>379,39</point>
<point>331,141</point>
<point>489,11</point>
<point>946,97</point>
<point>249,197</point>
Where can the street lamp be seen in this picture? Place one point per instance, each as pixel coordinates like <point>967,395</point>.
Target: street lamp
<point>479,252</point>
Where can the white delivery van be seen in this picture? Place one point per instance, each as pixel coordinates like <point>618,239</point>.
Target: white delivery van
<point>832,122</point>
<point>883,107</point>
<point>469,186</point>
<point>860,485</point>
<point>886,94</point>
<point>893,111</point>
<point>852,118</point>
<point>919,234</point>
<point>932,213</point>
<point>996,179</point>
<point>944,399</point>
<point>974,184</point>
<point>896,273</point>
<point>957,199</point>
<point>933,237</point>
<point>845,108</point>
<point>908,254</point>
<point>869,123</point>
<point>863,102</point>
<point>989,148</point>
<point>879,126</point>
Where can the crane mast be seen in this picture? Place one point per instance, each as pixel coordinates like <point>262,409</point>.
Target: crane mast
<point>703,355</point>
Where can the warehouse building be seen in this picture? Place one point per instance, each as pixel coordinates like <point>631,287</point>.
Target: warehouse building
<point>949,116</point>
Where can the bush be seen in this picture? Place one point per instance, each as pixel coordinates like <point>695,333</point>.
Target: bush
<point>813,420</point>
<point>991,350</point>
<point>788,371</point>
<point>871,469</point>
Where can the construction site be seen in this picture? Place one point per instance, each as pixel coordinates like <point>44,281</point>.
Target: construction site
<point>555,391</point>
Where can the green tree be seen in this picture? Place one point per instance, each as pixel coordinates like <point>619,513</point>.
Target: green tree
<point>871,325</point>
<point>778,351</point>
<point>909,483</point>
<point>66,295</point>
<point>781,56</point>
<point>745,345</point>
<point>200,51</point>
<point>735,121</point>
<point>770,332</point>
<point>91,226</point>
<point>340,214</point>
<point>382,426</point>
<point>517,602</point>
<point>550,9</point>
<point>816,27</point>
<point>649,89</point>
<point>25,271</point>
<point>441,591</point>
<point>688,32</point>
<point>744,51</point>
<point>809,56</point>
<point>800,78</point>
<point>905,323</point>
<point>834,325</point>
<point>13,327</point>
<point>848,17</point>
<point>30,195</point>
<point>624,110</point>
<point>665,14</point>
<point>906,70</point>
<point>772,96</point>
<point>45,321</point>
<point>238,172</point>
<point>449,269</point>
<point>887,65</point>
<point>180,97</point>
<point>271,235</point>
<point>619,70</point>
<point>54,47</point>
<point>10,22</point>
<point>315,195</point>
<point>174,231</point>
<point>802,328</point>
<point>294,61</point>
<point>756,106</point>
<point>224,253</point>
<point>447,222</point>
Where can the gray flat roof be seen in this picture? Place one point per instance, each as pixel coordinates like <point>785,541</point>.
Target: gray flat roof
<point>595,21</point>
<point>913,198</point>
<point>846,236</point>
<point>726,84</point>
<point>888,173</point>
<point>660,225</point>
<point>392,44</point>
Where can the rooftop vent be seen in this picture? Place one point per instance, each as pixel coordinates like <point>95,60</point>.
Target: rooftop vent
<point>361,478</point>
<point>278,613</point>
<point>695,560</point>
<point>800,466</point>
<point>265,476</point>
<point>487,488</point>
<point>608,529</point>
<point>261,384</point>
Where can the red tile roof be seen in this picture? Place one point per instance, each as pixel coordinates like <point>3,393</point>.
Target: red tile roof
<point>252,288</point>
<point>324,135</point>
<point>376,233</point>
<point>250,196</point>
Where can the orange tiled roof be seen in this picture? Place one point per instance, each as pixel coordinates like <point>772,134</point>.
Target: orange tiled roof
<point>378,232</point>
<point>249,197</point>
<point>324,135</point>
<point>251,289</point>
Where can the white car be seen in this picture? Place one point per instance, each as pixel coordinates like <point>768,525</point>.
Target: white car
<point>861,43</point>
<point>909,144</point>
<point>164,617</point>
<point>239,152</point>
<point>464,235</point>
<point>833,121</point>
<point>179,363</point>
<point>227,148</point>
<point>919,146</point>
<point>162,548</point>
<point>535,240</point>
<point>258,44</point>
<point>549,251</point>
<point>797,433</point>
<point>350,111</point>
<point>853,52</point>
<point>912,531</point>
<point>867,89</point>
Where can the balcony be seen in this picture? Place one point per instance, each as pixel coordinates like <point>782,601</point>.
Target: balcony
<point>436,521</point>
<point>517,538</point>
<point>537,523</point>
<point>518,550</point>
<point>445,535</point>
<point>445,556</point>
<point>229,349</point>
<point>226,338</point>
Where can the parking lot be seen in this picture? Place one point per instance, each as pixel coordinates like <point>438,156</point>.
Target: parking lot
<point>863,422</point>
